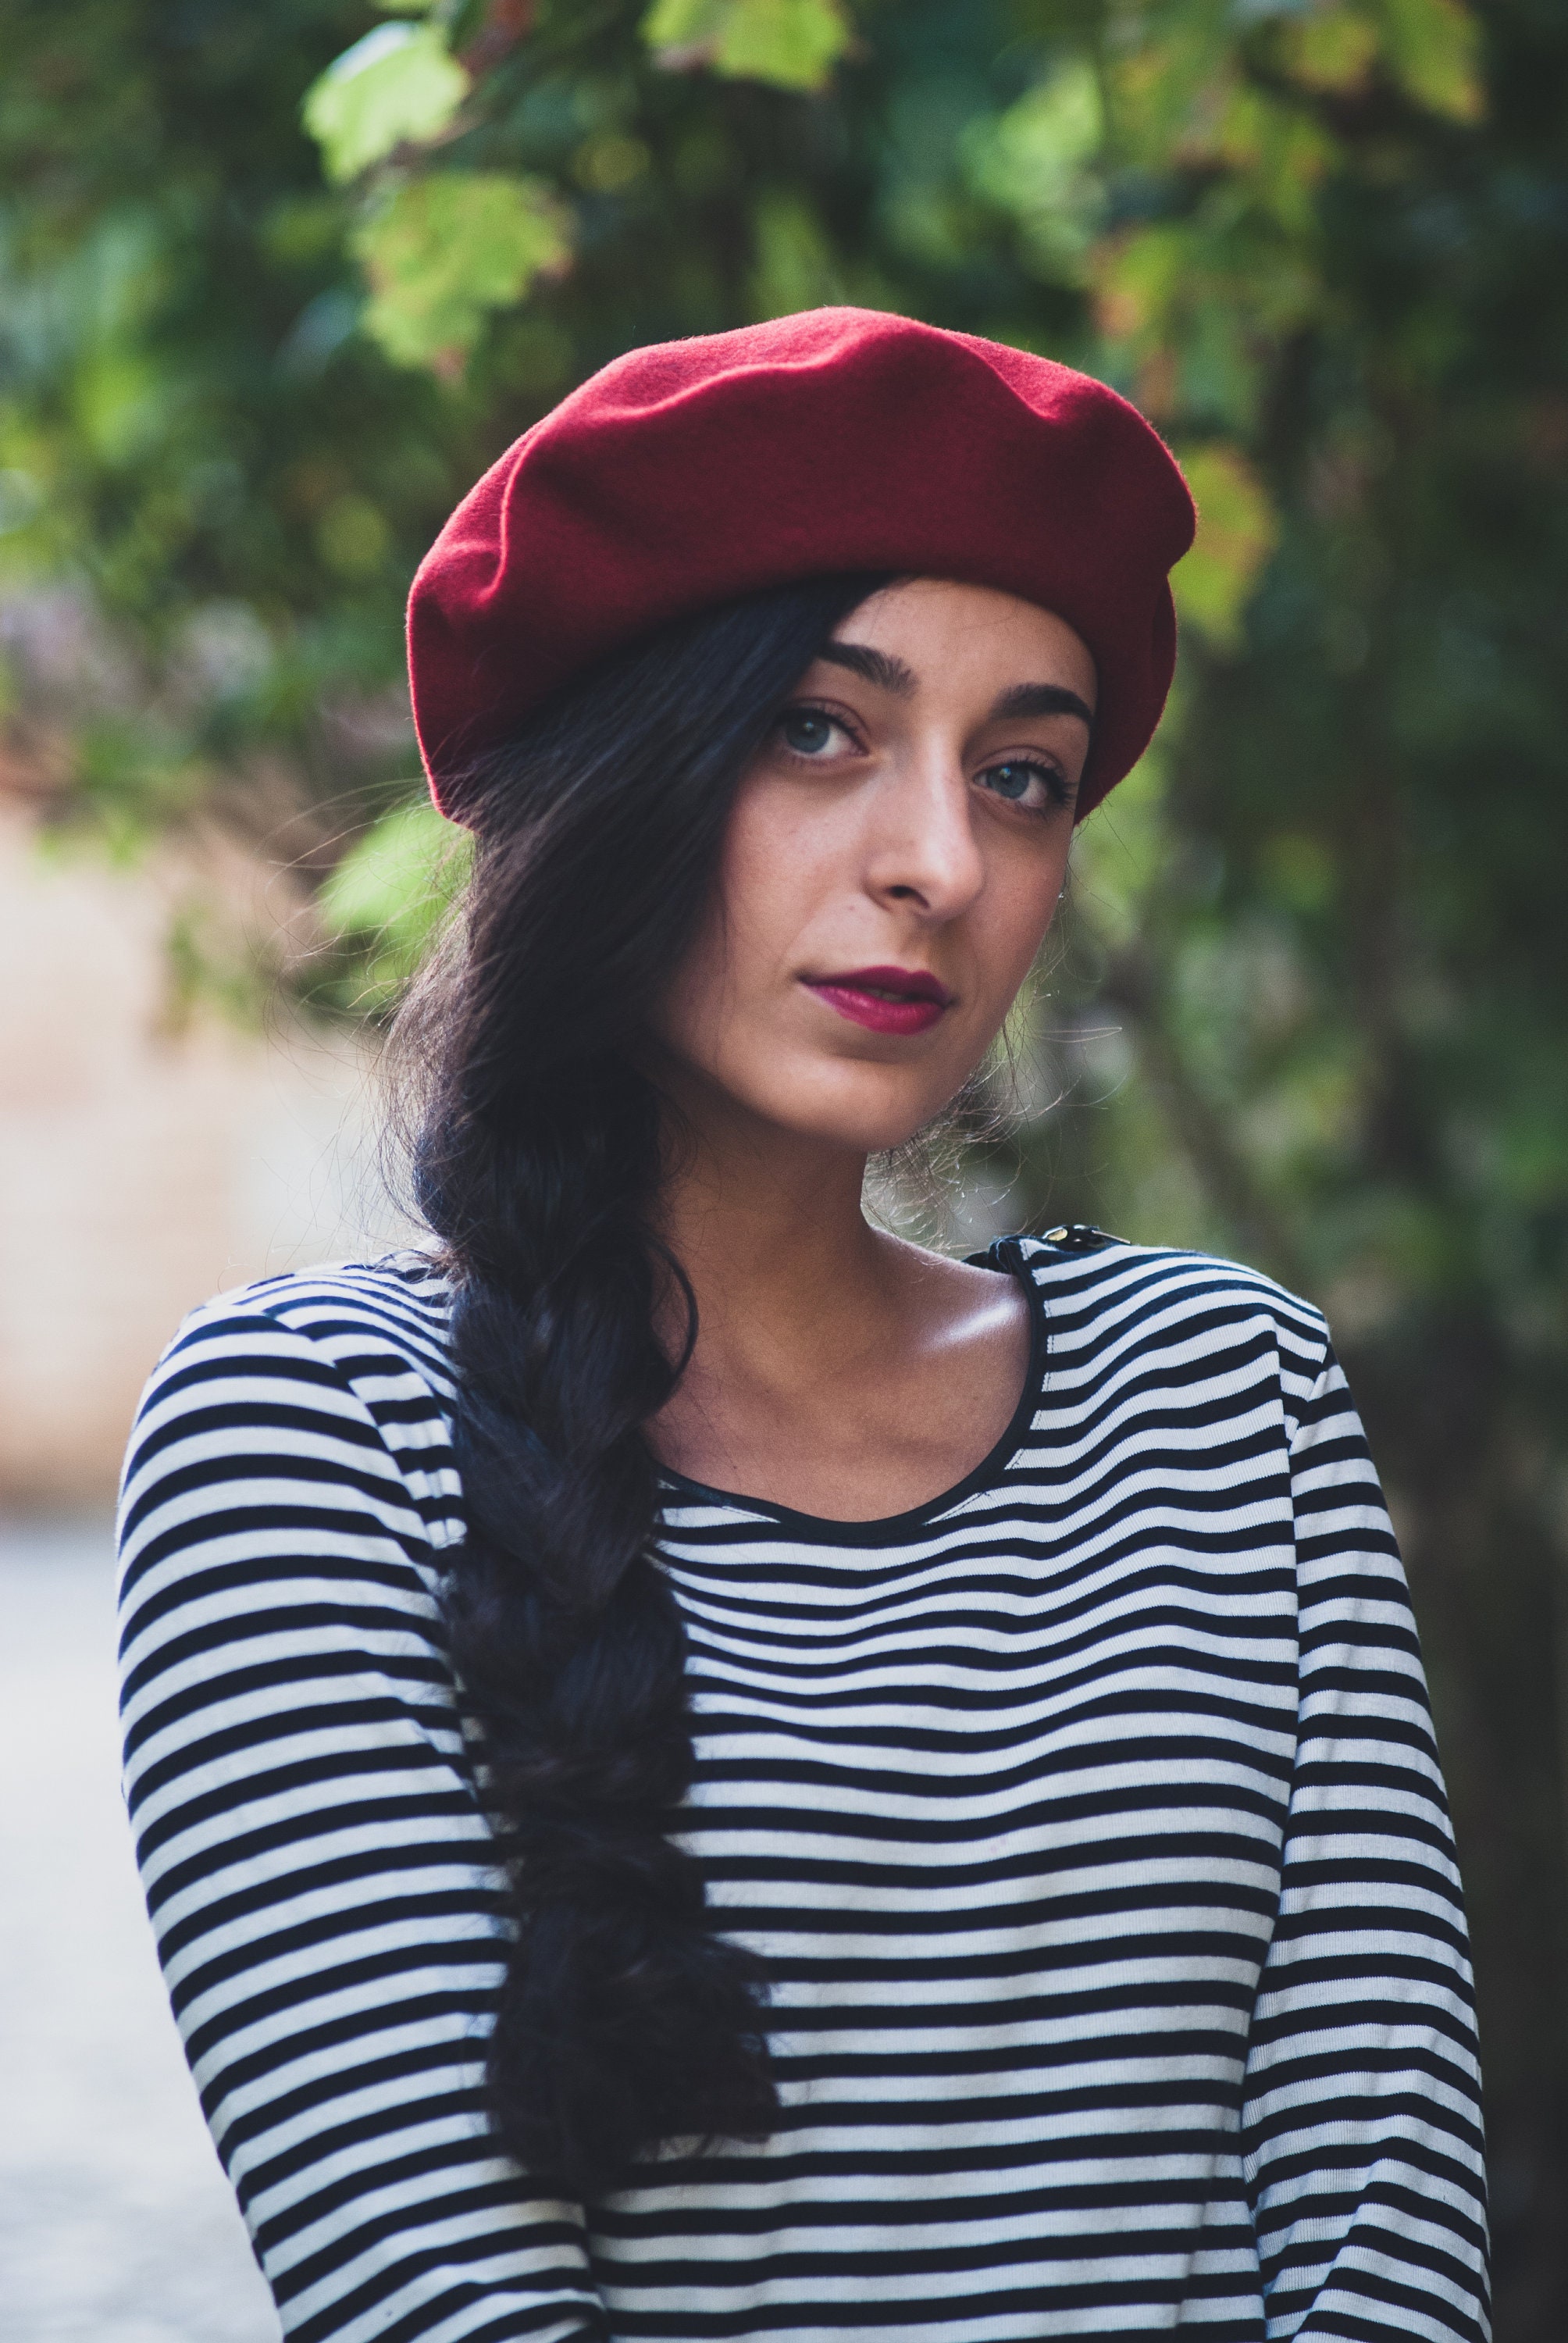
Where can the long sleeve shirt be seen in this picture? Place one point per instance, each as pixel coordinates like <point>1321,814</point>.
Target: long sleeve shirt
<point>1088,1818</point>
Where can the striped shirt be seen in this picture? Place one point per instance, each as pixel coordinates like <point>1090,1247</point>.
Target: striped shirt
<point>1088,1820</point>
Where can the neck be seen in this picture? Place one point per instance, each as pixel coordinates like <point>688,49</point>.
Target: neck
<point>764,1221</point>
<point>836,1367</point>
<point>768,1225</point>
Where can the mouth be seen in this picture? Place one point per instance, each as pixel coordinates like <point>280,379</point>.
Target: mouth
<point>886,999</point>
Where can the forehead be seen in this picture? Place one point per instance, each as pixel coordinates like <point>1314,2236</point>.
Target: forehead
<point>948,632</point>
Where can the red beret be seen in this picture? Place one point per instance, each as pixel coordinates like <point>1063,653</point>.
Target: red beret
<point>837,439</point>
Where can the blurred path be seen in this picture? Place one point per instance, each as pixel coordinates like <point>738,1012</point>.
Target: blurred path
<point>116,2223</point>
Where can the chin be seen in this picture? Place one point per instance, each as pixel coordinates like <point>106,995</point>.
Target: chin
<point>854,1106</point>
<point>868,1137</point>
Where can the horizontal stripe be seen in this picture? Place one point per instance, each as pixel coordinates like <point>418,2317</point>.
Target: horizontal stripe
<point>1088,1822</point>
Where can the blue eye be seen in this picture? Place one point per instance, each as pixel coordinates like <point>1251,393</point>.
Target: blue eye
<point>1013,779</point>
<point>807,730</point>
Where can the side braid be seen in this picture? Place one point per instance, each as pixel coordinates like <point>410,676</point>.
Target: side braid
<point>625,2017</point>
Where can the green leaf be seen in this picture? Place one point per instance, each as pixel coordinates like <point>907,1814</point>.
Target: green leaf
<point>1032,162</point>
<point>1031,153</point>
<point>1433,47</point>
<point>390,893</point>
<point>399,83</point>
<point>792,44</point>
<point>445,248</point>
<point>1141,276</point>
<point>795,266</point>
<point>1328,48</point>
<point>1237,533</point>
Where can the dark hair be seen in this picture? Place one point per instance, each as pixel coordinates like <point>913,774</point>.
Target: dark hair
<point>539,1145</point>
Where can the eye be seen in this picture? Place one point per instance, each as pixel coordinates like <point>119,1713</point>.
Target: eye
<point>1022,780</point>
<point>808,731</point>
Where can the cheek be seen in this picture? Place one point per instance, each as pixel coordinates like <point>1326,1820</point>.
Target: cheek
<point>769,874</point>
<point>1021,898</point>
<point>769,877</point>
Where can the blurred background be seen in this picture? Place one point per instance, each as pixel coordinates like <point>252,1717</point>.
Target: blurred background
<point>277,278</point>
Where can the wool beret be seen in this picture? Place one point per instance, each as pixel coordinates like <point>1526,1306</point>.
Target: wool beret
<point>838,440</point>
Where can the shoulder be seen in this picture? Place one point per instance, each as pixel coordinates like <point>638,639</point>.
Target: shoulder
<point>1103,1295</point>
<point>339,1372</point>
<point>362,1321</point>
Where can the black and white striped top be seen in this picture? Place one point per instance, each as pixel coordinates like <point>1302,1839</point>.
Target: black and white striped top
<point>1089,1818</point>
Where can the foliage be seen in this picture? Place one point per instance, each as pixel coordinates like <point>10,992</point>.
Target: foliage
<point>211,484</point>
<point>1308,1006</point>
<point>388,896</point>
<point>441,251</point>
<point>1238,533</point>
<point>400,81</point>
<point>792,44</point>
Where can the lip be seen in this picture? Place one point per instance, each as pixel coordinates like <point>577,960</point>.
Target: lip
<point>886,999</point>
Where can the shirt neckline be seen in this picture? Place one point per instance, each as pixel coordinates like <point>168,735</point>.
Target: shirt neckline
<point>1006,1255</point>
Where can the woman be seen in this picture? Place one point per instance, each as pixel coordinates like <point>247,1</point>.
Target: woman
<point>702,1771</point>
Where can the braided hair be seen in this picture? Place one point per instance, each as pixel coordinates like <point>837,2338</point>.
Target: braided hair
<point>539,1145</point>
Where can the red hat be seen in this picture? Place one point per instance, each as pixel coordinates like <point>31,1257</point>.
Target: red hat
<point>838,440</point>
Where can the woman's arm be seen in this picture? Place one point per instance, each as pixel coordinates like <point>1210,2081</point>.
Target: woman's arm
<point>1362,2121</point>
<point>317,1870</point>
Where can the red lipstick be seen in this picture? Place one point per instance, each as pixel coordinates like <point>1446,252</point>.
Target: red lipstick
<point>886,999</point>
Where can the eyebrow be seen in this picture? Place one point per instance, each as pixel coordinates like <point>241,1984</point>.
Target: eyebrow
<point>892,675</point>
<point>875,667</point>
<point>1042,700</point>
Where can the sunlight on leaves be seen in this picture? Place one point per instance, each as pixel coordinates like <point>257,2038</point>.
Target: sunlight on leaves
<point>1032,162</point>
<point>1140,277</point>
<point>1282,153</point>
<point>1433,50</point>
<point>399,83</point>
<point>792,44</point>
<point>1165,86</point>
<point>1035,150</point>
<point>1237,532</point>
<point>1329,49</point>
<point>391,891</point>
<point>442,250</point>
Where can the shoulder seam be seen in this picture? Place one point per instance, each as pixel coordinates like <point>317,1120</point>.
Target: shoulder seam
<point>246,1308</point>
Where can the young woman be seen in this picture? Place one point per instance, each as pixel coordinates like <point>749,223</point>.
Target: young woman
<point>700,1771</point>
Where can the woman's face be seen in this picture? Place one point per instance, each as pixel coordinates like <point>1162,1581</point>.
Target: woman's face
<point>890,867</point>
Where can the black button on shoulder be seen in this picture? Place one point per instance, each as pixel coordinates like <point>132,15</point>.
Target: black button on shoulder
<point>1079,1236</point>
<point>1076,1236</point>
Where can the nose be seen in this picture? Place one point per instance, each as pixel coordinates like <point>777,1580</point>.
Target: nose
<point>921,850</point>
